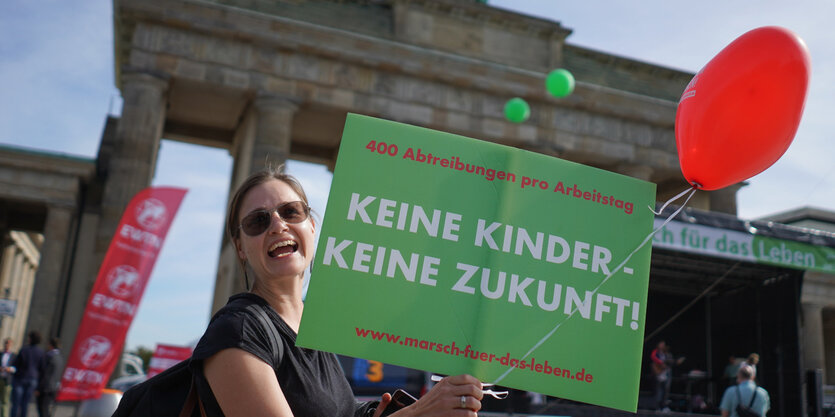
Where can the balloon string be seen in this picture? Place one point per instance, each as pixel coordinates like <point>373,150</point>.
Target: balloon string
<point>658,213</point>
<point>692,191</point>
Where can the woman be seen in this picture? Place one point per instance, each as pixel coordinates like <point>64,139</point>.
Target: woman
<point>270,225</point>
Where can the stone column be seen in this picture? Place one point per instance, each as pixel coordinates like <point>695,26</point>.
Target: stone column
<point>17,261</point>
<point>82,276</point>
<point>18,292</point>
<point>27,295</point>
<point>6,257</point>
<point>50,279</point>
<point>813,352</point>
<point>6,264</point>
<point>263,139</point>
<point>829,345</point>
<point>271,134</point>
<point>135,145</point>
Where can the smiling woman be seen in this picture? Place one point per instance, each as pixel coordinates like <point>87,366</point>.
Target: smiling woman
<point>239,367</point>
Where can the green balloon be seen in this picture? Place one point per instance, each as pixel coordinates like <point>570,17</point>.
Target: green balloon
<point>560,83</point>
<point>517,110</point>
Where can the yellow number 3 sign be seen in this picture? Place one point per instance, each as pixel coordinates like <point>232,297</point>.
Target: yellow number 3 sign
<point>375,371</point>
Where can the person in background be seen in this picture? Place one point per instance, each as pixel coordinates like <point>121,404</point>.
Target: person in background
<point>269,223</point>
<point>729,374</point>
<point>742,393</point>
<point>662,367</point>
<point>50,378</point>
<point>752,361</point>
<point>6,374</point>
<point>25,381</point>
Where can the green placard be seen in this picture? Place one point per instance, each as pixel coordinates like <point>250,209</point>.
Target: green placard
<point>792,254</point>
<point>733,244</point>
<point>454,255</point>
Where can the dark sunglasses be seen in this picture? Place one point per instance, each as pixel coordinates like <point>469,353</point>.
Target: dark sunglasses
<point>258,221</point>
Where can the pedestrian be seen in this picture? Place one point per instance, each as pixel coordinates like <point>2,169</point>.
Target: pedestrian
<point>745,393</point>
<point>25,379</point>
<point>6,373</point>
<point>50,378</point>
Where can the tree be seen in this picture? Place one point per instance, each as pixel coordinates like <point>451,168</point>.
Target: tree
<point>145,354</point>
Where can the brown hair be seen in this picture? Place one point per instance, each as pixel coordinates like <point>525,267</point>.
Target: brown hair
<point>257,178</point>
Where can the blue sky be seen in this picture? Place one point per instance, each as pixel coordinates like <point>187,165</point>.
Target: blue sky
<point>56,88</point>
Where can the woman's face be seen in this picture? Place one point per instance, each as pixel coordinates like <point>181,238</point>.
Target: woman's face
<point>284,249</point>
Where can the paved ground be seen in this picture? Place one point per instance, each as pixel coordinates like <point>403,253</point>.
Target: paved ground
<point>71,410</point>
<point>65,410</point>
<point>61,410</point>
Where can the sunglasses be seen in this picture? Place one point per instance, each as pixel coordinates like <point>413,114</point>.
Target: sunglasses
<point>258,221</point>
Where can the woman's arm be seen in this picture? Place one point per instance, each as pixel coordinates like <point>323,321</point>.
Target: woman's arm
<point>244,385</point>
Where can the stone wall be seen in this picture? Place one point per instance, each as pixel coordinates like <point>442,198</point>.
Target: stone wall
<point>318,66</point>
<point>42,196</point>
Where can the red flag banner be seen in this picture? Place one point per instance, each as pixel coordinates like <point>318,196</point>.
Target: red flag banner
<point>166,356</point>
<point>118,290</point>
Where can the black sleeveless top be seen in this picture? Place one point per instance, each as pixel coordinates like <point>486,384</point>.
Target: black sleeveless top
<point>312,381</point>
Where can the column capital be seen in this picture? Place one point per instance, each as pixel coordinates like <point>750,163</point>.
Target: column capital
<point>26,247</point>
<point>264,101</point>
<point>62,205</point>
<point>818,290</point>
<point>133,76</point>
<point>812,307</point>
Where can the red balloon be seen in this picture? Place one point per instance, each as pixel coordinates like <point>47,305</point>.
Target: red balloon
<point>740,113</point>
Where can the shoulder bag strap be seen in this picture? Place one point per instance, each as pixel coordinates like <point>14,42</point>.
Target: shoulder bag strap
<point>191,400</point>
<point>260,312</point>
<point>753,397</point>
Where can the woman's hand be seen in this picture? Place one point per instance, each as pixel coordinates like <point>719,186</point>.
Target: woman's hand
<point>458,395</point>
<point>384,401</point>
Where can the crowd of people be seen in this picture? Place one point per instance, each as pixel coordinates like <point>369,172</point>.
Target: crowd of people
<point>31,372</point>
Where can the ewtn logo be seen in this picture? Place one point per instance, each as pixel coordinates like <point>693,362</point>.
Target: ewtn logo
<point>151,214</point>
<point>122,280</point>
<point>95,351</point>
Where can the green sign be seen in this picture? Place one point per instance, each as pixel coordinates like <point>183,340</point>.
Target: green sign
<point>748,247</point>
<point>453,255</point>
